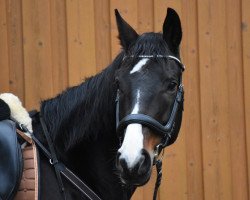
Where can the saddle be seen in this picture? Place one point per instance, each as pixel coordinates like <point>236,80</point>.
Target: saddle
<point>11,162</point>
<point>18,166</point>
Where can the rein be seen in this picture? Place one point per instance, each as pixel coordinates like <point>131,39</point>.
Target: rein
<point>166,131</point>
<point>60,168</point>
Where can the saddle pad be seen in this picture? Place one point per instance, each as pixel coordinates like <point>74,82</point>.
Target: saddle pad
<point>28,189</point>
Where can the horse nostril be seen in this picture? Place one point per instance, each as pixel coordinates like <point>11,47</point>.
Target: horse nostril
<point>121,163</point>
<point>123,166</point>
<point>144,163</point>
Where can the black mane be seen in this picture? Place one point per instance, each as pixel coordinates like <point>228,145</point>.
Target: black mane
<point>86,109</point>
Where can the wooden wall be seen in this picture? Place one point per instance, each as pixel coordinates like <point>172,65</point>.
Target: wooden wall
<point>48,45</point>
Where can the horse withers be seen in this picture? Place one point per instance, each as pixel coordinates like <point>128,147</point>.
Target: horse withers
<point>110,129</point>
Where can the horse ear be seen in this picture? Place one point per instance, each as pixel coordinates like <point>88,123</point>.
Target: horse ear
<point>172,32</point>
<point>127,34</point>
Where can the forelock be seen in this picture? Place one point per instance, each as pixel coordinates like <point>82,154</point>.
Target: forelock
<point>149,44</point>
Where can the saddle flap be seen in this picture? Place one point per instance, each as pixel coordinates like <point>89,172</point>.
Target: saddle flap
<point>11,163</point>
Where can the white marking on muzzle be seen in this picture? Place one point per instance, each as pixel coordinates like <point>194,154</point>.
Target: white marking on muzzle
<point>139,65</point>
<point>133,140</point>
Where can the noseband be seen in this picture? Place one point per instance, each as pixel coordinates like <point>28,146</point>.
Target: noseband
<point>167,130</point>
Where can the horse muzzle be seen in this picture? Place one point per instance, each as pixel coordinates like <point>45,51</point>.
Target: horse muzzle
<point>137,174</point>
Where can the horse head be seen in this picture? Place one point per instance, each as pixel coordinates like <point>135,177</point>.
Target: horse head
<point>149,96</point>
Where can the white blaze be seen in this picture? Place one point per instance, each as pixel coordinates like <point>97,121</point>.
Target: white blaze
<point>136,107</point>
<point>139,65</point>
<point>133,140</point>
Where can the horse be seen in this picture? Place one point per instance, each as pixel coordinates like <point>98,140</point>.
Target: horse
<point>110,129</point>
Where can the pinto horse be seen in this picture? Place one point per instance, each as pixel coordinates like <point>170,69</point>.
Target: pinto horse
<point>110,129</point>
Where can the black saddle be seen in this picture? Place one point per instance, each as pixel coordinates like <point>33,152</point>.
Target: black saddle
<point>11,163</point>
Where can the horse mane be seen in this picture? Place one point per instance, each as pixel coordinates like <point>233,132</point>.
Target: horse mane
<point>83,111</point>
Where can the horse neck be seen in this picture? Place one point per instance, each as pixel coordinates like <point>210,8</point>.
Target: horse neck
<point>81,121</point>
<point>82,112</point>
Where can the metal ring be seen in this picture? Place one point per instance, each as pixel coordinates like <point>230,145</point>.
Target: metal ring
<point>156,154</point>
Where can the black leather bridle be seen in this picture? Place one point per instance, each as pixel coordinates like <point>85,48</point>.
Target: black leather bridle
<point>165,130</point>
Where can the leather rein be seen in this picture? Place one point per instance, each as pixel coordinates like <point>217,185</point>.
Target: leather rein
<point>166,131</point>
<point>60,168</point>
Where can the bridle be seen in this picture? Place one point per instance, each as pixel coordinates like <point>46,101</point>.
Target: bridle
<point>165,130</point>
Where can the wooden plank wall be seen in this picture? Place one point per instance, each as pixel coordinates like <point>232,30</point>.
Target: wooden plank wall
<point>46,46</point>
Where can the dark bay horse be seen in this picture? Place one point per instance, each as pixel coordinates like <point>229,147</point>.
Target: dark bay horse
<point>110,129</point>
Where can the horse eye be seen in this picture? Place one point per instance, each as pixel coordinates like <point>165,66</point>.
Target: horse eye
<point>172,86</point>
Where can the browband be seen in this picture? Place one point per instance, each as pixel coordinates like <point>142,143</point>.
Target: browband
<point>160,56</point>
